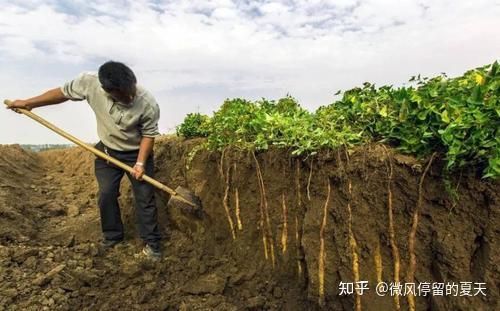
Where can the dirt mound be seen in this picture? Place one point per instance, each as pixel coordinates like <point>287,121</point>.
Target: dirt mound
<point>22,199</point>
<point>279,233</point>
<point>72,171</point>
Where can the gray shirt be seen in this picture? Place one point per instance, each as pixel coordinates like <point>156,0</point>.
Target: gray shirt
<point>120,127</point>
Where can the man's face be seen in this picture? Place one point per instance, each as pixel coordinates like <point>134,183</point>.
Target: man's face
<point>125,98</point>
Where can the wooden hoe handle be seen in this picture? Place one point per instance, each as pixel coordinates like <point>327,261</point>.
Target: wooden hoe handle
<point>98,153</point>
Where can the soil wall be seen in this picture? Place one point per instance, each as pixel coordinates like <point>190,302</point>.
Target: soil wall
<point>325,219</point>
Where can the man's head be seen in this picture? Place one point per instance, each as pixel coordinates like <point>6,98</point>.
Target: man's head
<point>118,81</point>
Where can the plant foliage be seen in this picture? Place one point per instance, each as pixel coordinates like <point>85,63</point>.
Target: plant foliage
<point>194,125</point>
<point>458,117</point>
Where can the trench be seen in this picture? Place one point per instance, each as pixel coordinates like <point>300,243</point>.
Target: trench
<point>282,238</point>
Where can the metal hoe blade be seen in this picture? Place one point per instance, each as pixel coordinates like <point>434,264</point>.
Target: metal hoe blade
<point>189,196</point>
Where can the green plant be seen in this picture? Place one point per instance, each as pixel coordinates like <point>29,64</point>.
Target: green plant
<point>456,117</point>
<point>194,125</point>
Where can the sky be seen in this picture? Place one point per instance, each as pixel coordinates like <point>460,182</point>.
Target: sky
<point>192,55</point>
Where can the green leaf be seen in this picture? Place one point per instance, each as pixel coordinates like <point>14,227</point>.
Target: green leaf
<point>383,111</point>
<point>445,117</point>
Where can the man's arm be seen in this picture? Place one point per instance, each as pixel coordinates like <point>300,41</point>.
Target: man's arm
<point>51,97</point>
<point>145,149</point>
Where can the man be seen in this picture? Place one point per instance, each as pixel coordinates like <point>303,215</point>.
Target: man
<point>127,124</point>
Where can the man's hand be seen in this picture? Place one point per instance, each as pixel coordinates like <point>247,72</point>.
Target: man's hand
<point>138,171</point>
<point>19,103</point>
<point>145,149</point>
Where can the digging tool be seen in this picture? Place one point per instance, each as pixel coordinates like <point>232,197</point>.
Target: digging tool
<point>180,197</point>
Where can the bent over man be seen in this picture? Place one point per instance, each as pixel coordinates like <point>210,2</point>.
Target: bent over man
<point>127,124</point>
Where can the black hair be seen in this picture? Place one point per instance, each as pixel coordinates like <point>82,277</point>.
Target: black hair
<point>116,76</point>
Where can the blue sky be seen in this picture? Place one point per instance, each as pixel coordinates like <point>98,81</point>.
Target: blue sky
<point>194,54</point>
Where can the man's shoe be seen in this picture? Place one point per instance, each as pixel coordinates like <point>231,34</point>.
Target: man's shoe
<point>109,244</point>
<point>151,252</point>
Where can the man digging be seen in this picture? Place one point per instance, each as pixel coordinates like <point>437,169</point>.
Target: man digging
<point>127,124</point>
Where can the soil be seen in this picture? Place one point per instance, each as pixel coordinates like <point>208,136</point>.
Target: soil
<point>292,236</point>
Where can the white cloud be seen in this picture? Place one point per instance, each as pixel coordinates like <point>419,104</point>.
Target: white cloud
<point>196,53</point>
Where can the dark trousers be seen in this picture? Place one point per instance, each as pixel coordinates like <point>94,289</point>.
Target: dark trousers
<point>108,177</point>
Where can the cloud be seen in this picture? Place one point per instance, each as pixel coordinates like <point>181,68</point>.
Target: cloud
<point>196,53</point>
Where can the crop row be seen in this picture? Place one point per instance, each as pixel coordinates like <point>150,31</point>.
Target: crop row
<point>458,118</point>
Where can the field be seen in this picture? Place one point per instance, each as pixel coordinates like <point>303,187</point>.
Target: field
<point>386,184</point>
